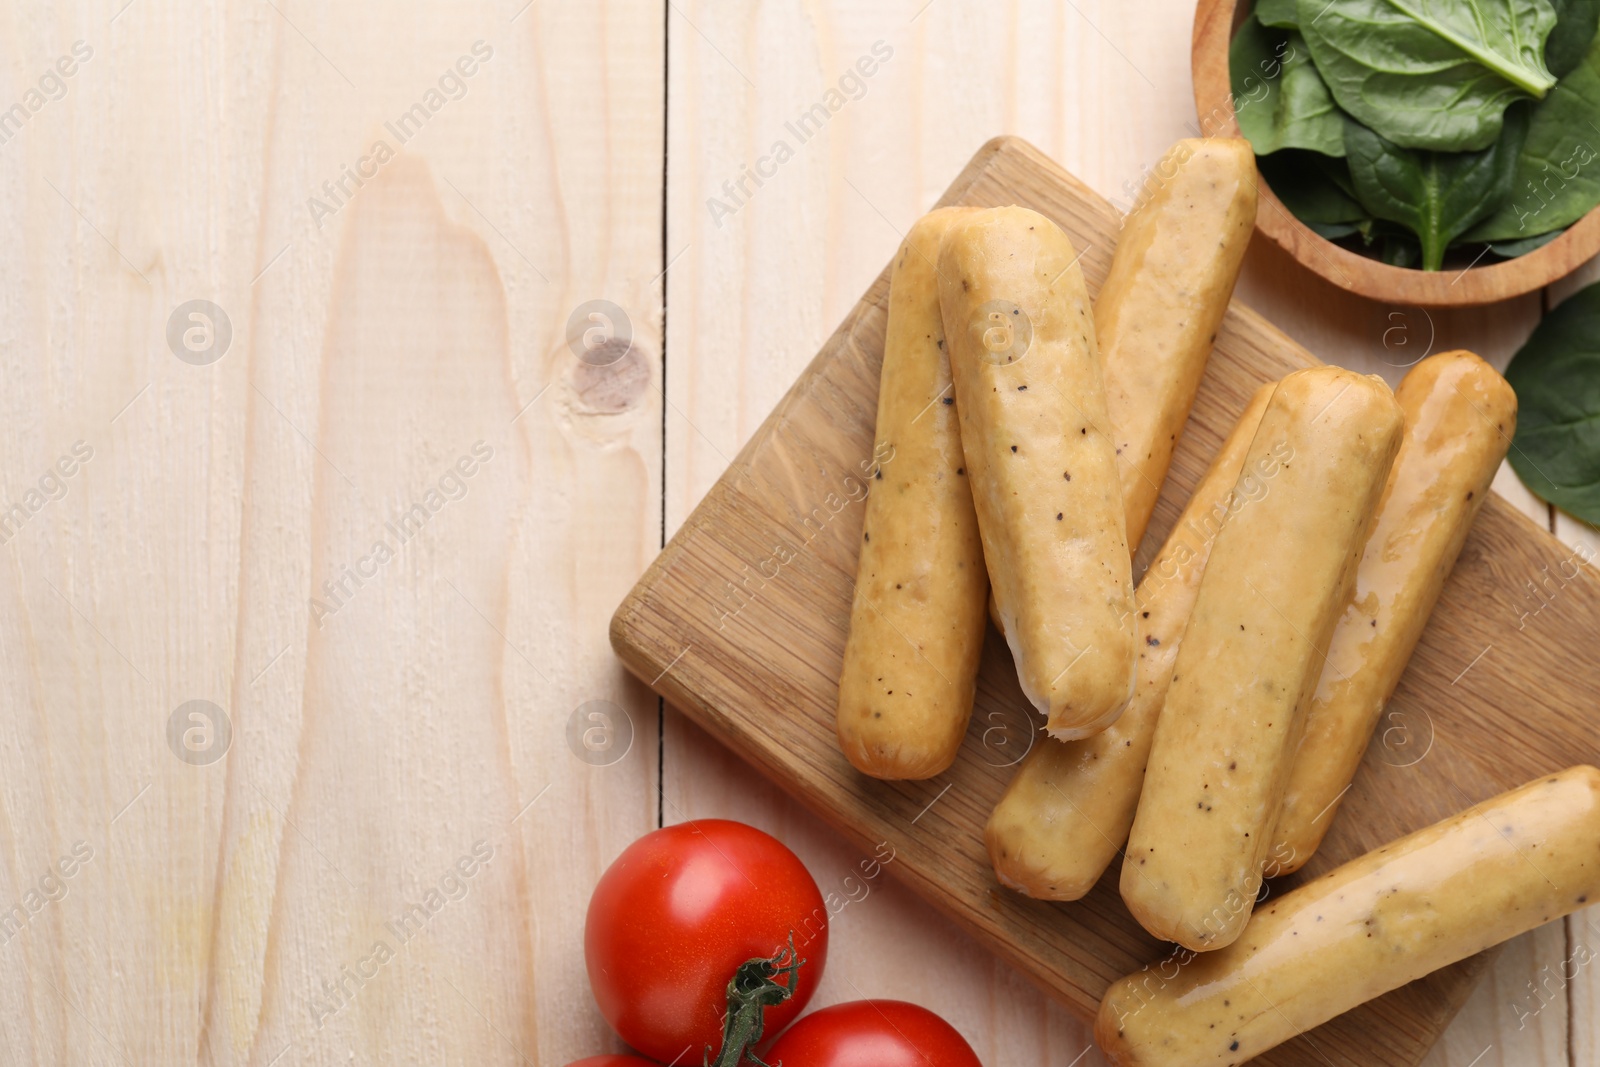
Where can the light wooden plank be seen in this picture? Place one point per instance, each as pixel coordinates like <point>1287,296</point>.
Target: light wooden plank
<point>1508,1021</point>
<point>752,299</point>
<point>1572,979</point>
<point>427,312</point>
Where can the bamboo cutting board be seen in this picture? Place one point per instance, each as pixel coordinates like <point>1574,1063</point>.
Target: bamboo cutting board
<point>741,622</point>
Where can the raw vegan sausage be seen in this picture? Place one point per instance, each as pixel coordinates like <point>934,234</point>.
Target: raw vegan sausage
<point>1157,314</point>
<point>1476,879</point>
<point>1043,471</point>
<point>1068,810</point>
<point>1279,574</point>
<point>916,624</point>
<point>1460,416</point>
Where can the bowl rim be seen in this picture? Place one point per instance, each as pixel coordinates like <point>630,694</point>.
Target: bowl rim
<point>1214,24</point>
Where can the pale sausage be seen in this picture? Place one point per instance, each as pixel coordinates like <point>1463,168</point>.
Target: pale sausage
<point>1157,315</point>
<point>1279,574</point>
<point>1042,467</point>
<point>1158,312</point>
<point>1496,870</point>
<point>1067,811</point>
<point>916,623</point>
<point>1460,416</point>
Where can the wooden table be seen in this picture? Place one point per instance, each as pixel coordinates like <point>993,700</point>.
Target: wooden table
<point>373,510</point>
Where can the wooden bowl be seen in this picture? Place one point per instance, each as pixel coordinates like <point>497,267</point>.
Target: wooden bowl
<point>1214,24</point>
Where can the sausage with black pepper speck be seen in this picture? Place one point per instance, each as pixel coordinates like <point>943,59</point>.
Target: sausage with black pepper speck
<point>916,621</point>
<point>1016,313</point>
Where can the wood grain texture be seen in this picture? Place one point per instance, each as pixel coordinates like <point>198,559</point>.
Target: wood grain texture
<point>1214,24</point>
<point>371,348</point>
<point>755,660</point>
<point>180,560</point>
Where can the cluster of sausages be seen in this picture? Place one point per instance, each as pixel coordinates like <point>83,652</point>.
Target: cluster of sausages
<point>1207,723</point>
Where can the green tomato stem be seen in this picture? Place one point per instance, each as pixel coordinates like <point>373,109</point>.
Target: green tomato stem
<point>751,991</point>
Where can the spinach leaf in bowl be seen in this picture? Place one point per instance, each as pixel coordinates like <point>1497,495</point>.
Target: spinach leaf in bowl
<point>1436,195</point>
<point>1281,13</point>
<point>1576,22</point>
<point>1315,188</point>
<point>1334,231</point>
<point>1279,99</point>
<point>1557,179</point>
<point>1556,375</point>
<point>1399,250</point>
<point>1431,74</point>
<point>1388,242</point>
<point>1513,249</point>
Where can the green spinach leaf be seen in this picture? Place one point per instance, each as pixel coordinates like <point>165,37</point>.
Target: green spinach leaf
<point>1314,187</point>
<point>1278,96</point>
<point>1433,74</point>
<point>1333,231</point>
<point>1436,195</point>
<point>1281,13</point>
<point>1576,22</point>
<point>1556,375</point>
<point>1513,249</point>
<point>1399,250</point>
<point>1557,179</point>
<point>1389,242</point>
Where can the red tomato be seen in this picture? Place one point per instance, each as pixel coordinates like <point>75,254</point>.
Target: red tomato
<point>872,1033</point>
<point>613,1061</point>
<point>674,917</point>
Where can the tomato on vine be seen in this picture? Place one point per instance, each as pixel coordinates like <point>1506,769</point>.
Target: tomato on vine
<point>872,1033</point>
<point>702,938</point>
